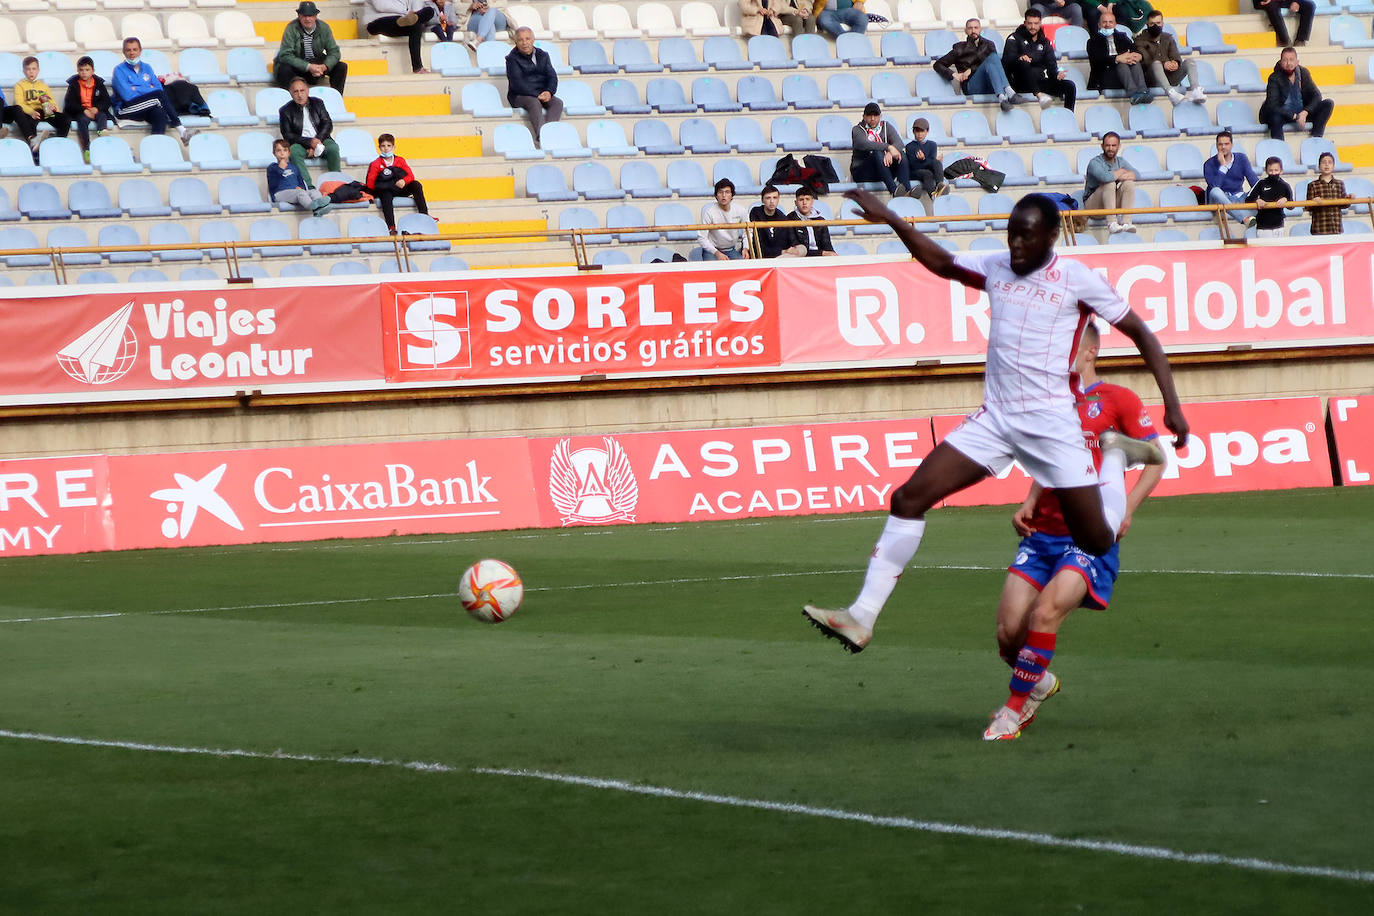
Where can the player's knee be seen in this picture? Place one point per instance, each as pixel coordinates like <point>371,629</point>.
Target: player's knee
<point>909,502</point>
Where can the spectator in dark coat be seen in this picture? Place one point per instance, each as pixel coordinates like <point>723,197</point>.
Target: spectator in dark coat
<point>1031,64</point>
<point>308,50</point>
<point>924,158</point>
<point>532,82</point>
<point>308,130</point>
<point>87,102</point>
<point>1290,97</point>
<point>779,242</point>
<point>815,238</point>
<point>1114,61</point>
<point>974,68</point>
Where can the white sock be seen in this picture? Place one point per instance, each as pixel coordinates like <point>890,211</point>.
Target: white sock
<point>1111,484</point>
<point>181,130</point>
<point>896,546</point>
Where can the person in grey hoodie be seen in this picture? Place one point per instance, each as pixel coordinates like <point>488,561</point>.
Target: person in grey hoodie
<point>878,154</point>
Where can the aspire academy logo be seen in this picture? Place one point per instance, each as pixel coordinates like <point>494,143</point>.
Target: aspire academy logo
<point>592,486</point>
<point>103,354</point>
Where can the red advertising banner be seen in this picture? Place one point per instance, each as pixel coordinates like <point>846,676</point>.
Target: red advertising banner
<point>1204,298</point>
<point>697,475</point>
<point>559,326</point>
<point>55,505</point>
<point>1352,424</point>
<point>175,342</point>
<point>291,494</point>
<point>1234,445</point>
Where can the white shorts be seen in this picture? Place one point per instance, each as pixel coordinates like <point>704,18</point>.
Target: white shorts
<point>1049,444</point>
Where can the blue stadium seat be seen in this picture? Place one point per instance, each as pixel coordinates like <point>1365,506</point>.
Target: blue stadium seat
<point>1013,166</point>
<point>1071,41</point>
<point>254,148</point>
<point>611,257</point>
<point>856,50</point>
<point>96,276</point>
<point>560,139</point>
<point>746,136</point>
<point>254,271</point>
<point>91,200</point>
<point>123,234</point>
<point>667,96</point>
<point>586,55</point>
<point>628,216</point>
<point>658,253</point>
<point>622,98</point>
<point>1193,120</point>
<point>355,146</point>
<point>937,133</point>
<point>1142,199</point>
<point>767,52</point>
<point>582,218</point>
<point>321,227</point>
<point>633,56</point>
<point>62,156</point>
<point>112,156</point>
<point>481,100</point>
<point>271,229</point>
<point>1074,74</point>
<point>1101,118</point>
<point>1268,147</point>
<point>892,88</point>
<point>850,210</point>
<point>1176,195</point>
<point>40,200</point>
<point>640,180</point>
<point>546,183</point>
<point>1016,126</point>
<point>422,224</point>
<point>1148,121</point>
<point>1205,37</point>
<point>756,93</point>
<point>1053,167</point>
<point>578,99</point>
<point>1309,152</point>
<point>514,141</point>
<point>161,153</point>
<point>849,249</point>
<point>675,214</point>
<point>69,236</point>
<point>955,206</point>
<point>229,108</point>
<point>245,65</point>
<point>451,59</point>
<point>792,135</point>
<point>555,57</point>
<point>301,269</point>
<point>1146,162</point>
<point>491,56</point>
<point>1236,116</point>
<point>17,237</point>
<point>607,138</point>
<point>1170,236</point>
<point>211,151</point>
<point>267,103</point>
<point>813,51</point>
<point>699,135</point>
<point>7,211</point>
<point>198,274</point>
<point>1184,160</point>
<point>900,48</point>
<point>241,194</point>
<point>835,132</point>
<point>995,203</point>
<point>448,262</point>
<point>801,92</point>
<point>679,55</point>
<point>737,172</point>
<point>935,89</point>
<point>988,243</point>
<point>846,90</point>
<point>1242,74</point>
<point>148,275</point>
<point>351,268</point>
<point>971,127</point>
<point>939,42</point>
<point>687,179</point>
<point>188,196</point>
<point>594,182</point>
<point>171,233</point>
<point>366,226</point>
<point>723,53</point>
<point>655,139</point>
<point>1126,238</point>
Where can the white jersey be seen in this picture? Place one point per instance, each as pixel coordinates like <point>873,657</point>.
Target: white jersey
<point>1035,323</point>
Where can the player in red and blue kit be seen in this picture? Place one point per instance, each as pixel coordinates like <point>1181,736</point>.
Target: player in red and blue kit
<point>1050,575</point>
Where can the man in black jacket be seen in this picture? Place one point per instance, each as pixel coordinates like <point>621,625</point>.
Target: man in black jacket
<point>306,125</point>
<point>775,242</point>
<point>1290,97</point>
<point>87,103</point>
<point>1114,62</point>
<point>1029,59</point>
<point>973,66</point>
<point>1274,9</point>
<point>532,82</point>
<point>815,238</point>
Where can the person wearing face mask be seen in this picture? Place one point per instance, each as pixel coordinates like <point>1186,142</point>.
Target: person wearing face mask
<point>1132,14</point>
<point>137,94</point>
<point>1114,61</point>
<point>1292,98</point>
<point>1164,66</point>
<point>389,177</point>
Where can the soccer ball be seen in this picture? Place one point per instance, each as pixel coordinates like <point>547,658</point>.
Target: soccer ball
<point>491,590</point>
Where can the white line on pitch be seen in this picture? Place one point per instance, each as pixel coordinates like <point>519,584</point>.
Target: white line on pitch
<point>1130,850</point>
<point>645,583</point>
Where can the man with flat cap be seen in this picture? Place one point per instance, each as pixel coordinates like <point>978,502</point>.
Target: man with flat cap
<point>308,51</point>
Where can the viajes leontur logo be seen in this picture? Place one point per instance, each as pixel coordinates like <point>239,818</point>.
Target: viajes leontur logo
<point>592,486</point>
<point>103,354</point>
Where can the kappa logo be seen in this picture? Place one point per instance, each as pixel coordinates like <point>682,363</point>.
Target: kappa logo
<point>190,496</point>
<point>592,486</point>
<point>103,354</point>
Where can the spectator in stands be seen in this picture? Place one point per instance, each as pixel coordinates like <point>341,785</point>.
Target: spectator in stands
<point>34,105</point>
<point>1163,65</point>
<point>923,161</point>
<point>87,103</point>
<point>1326,186</point>
<point>1067,10</point>
<point>308,51</point>
<point>1306,9</point>
<point>1132,14</point>
<point>1110,182</point>
<point>443,28</point>
<point>815,238</point>
<point>137,93</point>
<point>307,129</point>
<point>287,183</point>
<point>1290,97</point>
<point>878,154</point>
<point>974,68</point>
<point>1271,194</point>
<point>724,244</point>
<point>480,20</point>
<point>1226,175</point>
<point>1114,63</point>
<point>838,16</point>
<point>389,177</point>
<point>408,19</point>
<point>775,242</point>
<point>1031,64</point>
<point>767,17</point>
<point>531,81</point>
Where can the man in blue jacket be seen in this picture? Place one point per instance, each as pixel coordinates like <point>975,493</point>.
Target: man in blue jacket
<point>1227,174</point>
<point>532,81</point>
<point>137,93</point>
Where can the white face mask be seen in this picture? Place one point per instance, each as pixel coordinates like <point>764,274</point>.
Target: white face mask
<point>134,61</point>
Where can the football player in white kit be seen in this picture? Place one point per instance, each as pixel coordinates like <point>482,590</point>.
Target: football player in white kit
<point>1039,304</point>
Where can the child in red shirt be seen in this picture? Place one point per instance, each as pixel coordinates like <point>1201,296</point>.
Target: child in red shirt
<point>389,177</point>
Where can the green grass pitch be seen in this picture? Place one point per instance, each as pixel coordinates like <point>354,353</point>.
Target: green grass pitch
<point>1220,707</point>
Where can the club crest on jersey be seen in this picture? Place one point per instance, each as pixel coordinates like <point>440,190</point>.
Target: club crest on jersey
<point>1094,409</point>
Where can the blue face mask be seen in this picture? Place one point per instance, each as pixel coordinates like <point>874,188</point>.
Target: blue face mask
<point>1106,33</point>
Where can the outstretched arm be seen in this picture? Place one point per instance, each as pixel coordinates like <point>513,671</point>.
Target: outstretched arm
<point>1148,345</point>
<point>930,255</point>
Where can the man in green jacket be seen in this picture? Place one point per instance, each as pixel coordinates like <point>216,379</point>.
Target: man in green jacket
<point>308,51</point>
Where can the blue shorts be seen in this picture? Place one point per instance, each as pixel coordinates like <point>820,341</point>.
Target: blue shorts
<point>1040,557</point>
